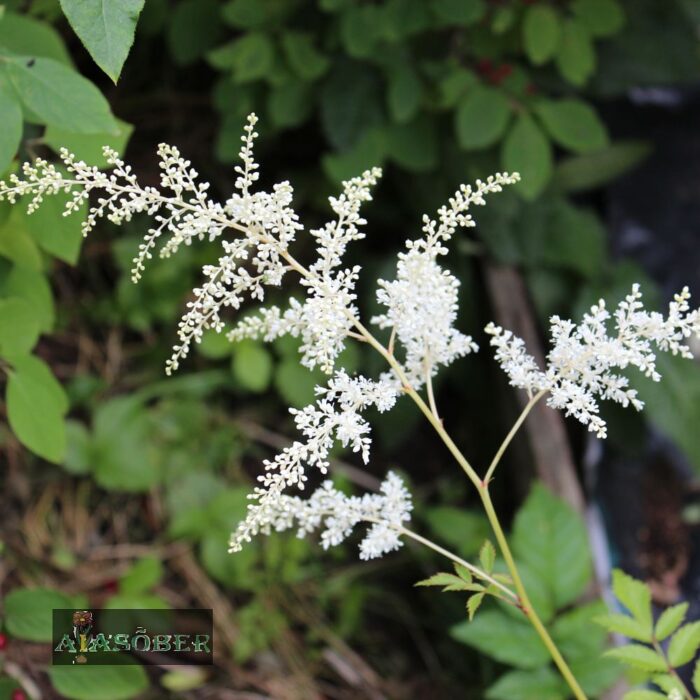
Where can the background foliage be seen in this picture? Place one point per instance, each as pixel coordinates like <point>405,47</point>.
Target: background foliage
<point>109,462</point>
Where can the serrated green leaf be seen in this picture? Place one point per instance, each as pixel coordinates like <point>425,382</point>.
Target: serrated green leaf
<point>667,682</point>
<point>575,56</point>
<point>670,620</point>
<point>36,404</point>
<point>441,579</point>
<point>539,684</point>
<point>638,656</point>
<point>506,639</point>
<point>551,539</point>
<point>635,596</point>
<point>463,572</point>
<point>106,28</point>
<point>98,682</point>
<point>473,604</point>
<point>487,556</point>
<point>684,644</point>
<point>11,132</point>
<point>602,18</point>
<point>28,612</point>
<point>573,124</point>
<point>57,95</point>
<point>526,150</point>
<point>625,625</point>
<point>481,117</point>
<point>541,33</point>
<point>19,327</point>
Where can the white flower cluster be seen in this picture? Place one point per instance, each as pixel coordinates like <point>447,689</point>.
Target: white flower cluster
<point>336,416</point>
<point>584,362</point>
<point>422,301</point>
<point>337,514</point>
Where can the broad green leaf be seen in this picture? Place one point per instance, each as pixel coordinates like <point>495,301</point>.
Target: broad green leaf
<point>252,366</point>
<point>289,103</point>
<point>16,243</point>
<point>405,93</point>
<point>214,345</point>
<point>601,17</point>
<point>62,236</point>
<point>28,612</point>
<point>541,33</point>
<point>143,575</point>
<point>350,104</point>
<point>625,625</point>
<point>36,404</point>
<point>405,18</point>
<point>303,57</point>
<point>487,556</point>
<point>635,596</point>
<point>26,36</point>
<point>526,150</point>
<point>576,636</point>
<point>106,28</point>
<point>667,682</point>
<point>11,132</point>
<point>252,57</point>
<point>195,27</point>
<point>474,603</point>
<point>57,95</point>
<point>670,620</point>
<point>19,327</point>
<point>551,539</point>
<point>359,30</point>
<point>575,56</point>
<point>458,12</point>
<point>414,146</point>
<point>481,117</point>
<point>462,530</point>
<point>539,684</point>
<point>506,639</point>
<point>684,644</point>
<point>597,169</point>
<point>33,287</point>
<point>98,682</point>
<point>595,674</point>
<point>638,656</point>
<point>573,124</point>
<point>88,147</point>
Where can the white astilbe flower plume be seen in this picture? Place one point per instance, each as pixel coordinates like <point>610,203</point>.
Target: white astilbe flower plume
<point>584,362</point>
<point>337,514</point>
<point>422,302</point>
<point>336,416</point>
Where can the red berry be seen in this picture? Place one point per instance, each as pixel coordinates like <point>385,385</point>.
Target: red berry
<point>484,66</point>
<point>3,641</point>
<point>111,586</point>
<point>498,75</point>
<point>18,694</point>
<point>531,89</point>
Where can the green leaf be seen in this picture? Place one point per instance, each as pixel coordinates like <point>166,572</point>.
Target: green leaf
<point>252,57</point>
<point>62,236</point>
<point>445,580</point>
<point>78,457</point>
<point>573,124</point>
<point>33,287</point>
<point>506,639</point>
<point>19,327</point>
<point>458,12</point>
<point>414,146</point>
<point>575,56</point>
<point>526,150</point>
<point>625,625</point>
<point>462,530</point>
<point>540,684</point>
<point>252,366</point>
<point>487,556</point>
<point>289,103</point>
<point>11,132</point>
<point>696,677</point>
<point>368,152</point>
<point>57,95</point>
<point>405,93</point>
<point>88,147</point>
<point>600,17</point>
<point>98,682</point>
<point>638,656</point>
<point>106,28</point>
<point>552,540</point>
<point>36,404</point>
<point>644,695</point>
<point>256,14</point>
<point>359,30</point>
<point>29,611</point>
<point>541,33</point>
<point>635,596</point>
<point>684,644</point>
<point>194,28</point>
<point>303,57</point>
<point>26,36</point>
<point>142,576</point>
<point>473,604</point>
<point>214,345</point>
<point>669,621</point>
<point>574,634</point>
<point>481,117</point>
<point>597,169</point>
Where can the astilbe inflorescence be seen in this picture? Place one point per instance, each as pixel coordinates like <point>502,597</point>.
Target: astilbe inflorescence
<point>419,309</point>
